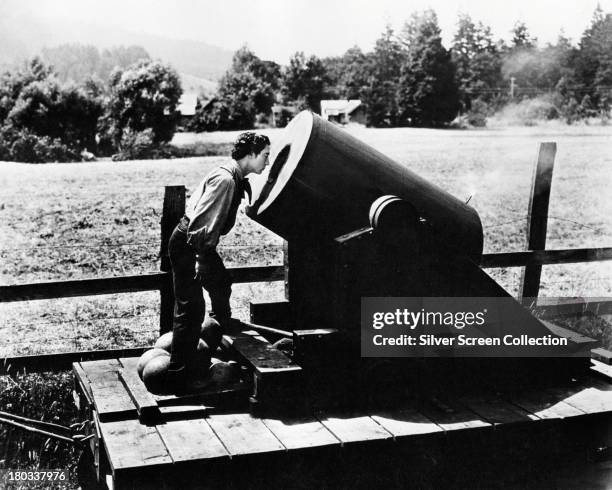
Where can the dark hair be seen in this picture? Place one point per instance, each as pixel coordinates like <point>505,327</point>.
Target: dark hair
<point>248,143</point>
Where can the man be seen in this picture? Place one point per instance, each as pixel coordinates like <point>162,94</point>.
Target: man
<point>210,213</point>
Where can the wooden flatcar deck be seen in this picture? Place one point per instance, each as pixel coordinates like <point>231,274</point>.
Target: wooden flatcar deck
<point>189,442</point>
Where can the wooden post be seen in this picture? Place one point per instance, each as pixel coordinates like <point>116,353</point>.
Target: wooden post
<point>173,210</point>
<point>538,218</point>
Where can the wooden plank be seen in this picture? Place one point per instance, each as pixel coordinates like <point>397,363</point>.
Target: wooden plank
<point>184,411</point>
<point>111,400</point>
<point>82,382</point>
<point>591,396</point>
<point>602,355</point>
<point>452,417</point>
<point>100,372</point>
<point>602,369</point>
<point>189,440</point>
<point>538,217</point>
<point>129,362</point>
<point>132,445</point>
<point>63,361</point>
<point>545,405</point>
<point>496,411</point>
<point>405,422</point>
<point>545,257</point>
<point>243,434</point>
<point>145,404</point>
<point>354,427</point>
<point>300,432</point>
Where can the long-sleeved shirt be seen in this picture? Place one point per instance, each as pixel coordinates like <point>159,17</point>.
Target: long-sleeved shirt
<point>213,206</point>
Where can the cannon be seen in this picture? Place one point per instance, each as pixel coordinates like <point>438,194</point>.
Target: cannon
<point>358,224</point>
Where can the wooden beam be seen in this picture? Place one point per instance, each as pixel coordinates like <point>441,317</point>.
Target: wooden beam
<point>545,257</point>
<point>82,287</point>
<point>122,284</point>
<point>552,307</point>
<point>538,217</point>
<point>64,360</point>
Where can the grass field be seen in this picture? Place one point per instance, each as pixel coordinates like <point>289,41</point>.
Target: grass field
<point>61,221</point>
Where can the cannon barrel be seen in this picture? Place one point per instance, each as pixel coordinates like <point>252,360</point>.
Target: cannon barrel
<point>323,181</point>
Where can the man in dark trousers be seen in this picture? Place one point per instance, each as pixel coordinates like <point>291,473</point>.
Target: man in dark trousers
<point>210,213</point>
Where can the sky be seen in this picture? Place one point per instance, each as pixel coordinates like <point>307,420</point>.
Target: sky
<point>275,29</point>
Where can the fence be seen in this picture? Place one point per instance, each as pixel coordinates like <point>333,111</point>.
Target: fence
<point>173,207</point>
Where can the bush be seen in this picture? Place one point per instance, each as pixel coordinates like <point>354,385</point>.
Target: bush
<point>477,115</point>
<point>41,396</point>
<point>140,146</point>
<point>30,148</point>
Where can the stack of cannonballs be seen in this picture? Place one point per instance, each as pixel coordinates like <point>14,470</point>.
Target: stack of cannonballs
<point>153,364</point>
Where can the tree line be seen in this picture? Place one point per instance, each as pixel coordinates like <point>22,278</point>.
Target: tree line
<point>410,79</point>
<point>75,100</point>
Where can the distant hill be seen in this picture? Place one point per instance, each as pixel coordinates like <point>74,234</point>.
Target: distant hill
<point>23,36</point>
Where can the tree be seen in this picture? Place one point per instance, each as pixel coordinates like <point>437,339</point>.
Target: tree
<point>246,90</point>
<point>477,61</point>
<point>143,96</point>
<point>265,75</point>
<point>554,62</point>
<point>521,38</point>
<point>305,81</point>
<point>347,74</point>
<point>427,93</point>
<point>594,60</point>
<point>11,84</point>
<point>382,68</point>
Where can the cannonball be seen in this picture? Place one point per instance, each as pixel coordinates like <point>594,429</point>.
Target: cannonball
<point>223,373</point>
<point>146,357</point>
<point>165,342</point>
<point>285,345</point>
<point>154,374</point>
<point>203,355</point>
<point>211,333</point>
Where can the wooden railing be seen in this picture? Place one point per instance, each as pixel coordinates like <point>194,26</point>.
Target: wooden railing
<point>173,207</point>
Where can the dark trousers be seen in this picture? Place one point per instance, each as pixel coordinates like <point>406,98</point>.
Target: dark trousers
<point>189,304</point>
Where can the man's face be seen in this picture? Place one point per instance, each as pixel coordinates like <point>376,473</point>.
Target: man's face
<point>260,161</point>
